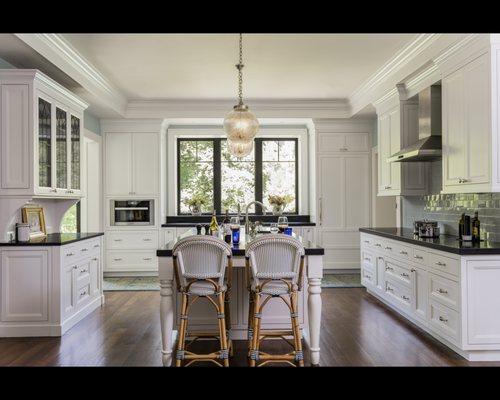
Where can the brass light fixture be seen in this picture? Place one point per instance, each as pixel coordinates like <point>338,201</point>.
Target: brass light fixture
<point>240,125</point>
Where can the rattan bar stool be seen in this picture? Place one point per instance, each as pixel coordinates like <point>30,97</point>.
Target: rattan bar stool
<point>274,266</point>
<point>203,269</point>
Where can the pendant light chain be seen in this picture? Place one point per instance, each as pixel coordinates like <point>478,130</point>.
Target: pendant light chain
<point>240,66</point>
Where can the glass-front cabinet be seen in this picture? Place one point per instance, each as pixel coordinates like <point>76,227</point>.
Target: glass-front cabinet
<point>59,150</point>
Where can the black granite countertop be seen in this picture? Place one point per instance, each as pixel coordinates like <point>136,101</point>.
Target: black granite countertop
<point>448,243</point>
<point>311,249</point>
<point>183,221</point>
<point>56,239</point>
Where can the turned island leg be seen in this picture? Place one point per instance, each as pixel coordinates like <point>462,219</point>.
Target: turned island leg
<point>166,275</point>
<point>314,304</point>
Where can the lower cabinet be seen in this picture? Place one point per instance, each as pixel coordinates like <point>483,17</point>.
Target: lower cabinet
<point>454,298</point>
<point>46,290</point>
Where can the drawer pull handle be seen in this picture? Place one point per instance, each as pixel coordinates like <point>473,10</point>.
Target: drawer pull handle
<point>147,258</point>
<point>405,298</point>
<point>418,257</point>
<point>117,259</point>
<point>389,289</point>
<point>118,240</point>
<point>85,249</point>
<point>83,271</point>
<point>413,270</point>
<point>388,248</point>
<point>367,259</point>
<point>388,187</point>
<point>75,266</point>
<point>443,319</point>
<point>403,252</point>
<point>389,269</point>
<point>96,245</point>
<point>147,240</point>
<point>366,241</point>
<point>94,259</point>
<point>83,294</point>
<point>378,245</point>
<point>441,264</point>
<point>70,254</point>
<point>405,275</point>
<point>442,291</point>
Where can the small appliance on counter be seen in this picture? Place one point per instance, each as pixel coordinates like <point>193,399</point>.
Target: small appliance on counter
<point>426,229</point>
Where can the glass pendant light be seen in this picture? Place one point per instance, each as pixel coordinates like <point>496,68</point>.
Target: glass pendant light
<point>240,125</point>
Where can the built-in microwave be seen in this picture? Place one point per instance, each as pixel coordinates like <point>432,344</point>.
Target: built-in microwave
<point>132,212</point>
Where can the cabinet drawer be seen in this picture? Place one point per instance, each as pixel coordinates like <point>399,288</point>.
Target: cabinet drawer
<point>79,250</point>
<point>444,321</point>
<point>378,244</point>
<point>398,273</point>
<point>420,256</point>
<point>389,248</point>
<point>401,296</point>
<point>444,264</point>
<point>367,258</point>
<point>444,291</point>
<point>132,240</point>
<point>403,252</point>
<point>168,235</point>
<point>366,240</point>
<point>131,261</point>
<point>368,276</point>
<point>82,294</point>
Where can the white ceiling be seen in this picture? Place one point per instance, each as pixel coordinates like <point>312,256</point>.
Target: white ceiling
<point>201,66</point>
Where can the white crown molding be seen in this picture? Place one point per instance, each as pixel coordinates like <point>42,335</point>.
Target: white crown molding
<point>59,52</point>
<point>263,108</point>
<point>359,98</point>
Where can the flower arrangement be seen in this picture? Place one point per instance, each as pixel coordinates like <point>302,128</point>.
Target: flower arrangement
<point>279,202</point>
<point>195,203</point>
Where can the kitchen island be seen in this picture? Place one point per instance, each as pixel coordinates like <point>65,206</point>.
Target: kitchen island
<point>276,315</point>
<point>447,287</point>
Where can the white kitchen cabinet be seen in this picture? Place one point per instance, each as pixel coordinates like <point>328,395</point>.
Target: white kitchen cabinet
<point>45,290</point>
<point>41,136</point>
<point>452,297</point>
<point>343,207</point>
<point>398,128</point>
<point>132,164</point>
<point>467,135</point>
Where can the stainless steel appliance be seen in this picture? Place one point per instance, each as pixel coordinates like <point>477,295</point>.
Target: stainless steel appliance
<point>429,146</point>
<point>426,229</point>
<point>132,212</point>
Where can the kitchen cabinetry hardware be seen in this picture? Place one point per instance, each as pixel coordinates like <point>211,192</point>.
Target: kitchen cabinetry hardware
<point>442,291</point>
<point>443,319</point>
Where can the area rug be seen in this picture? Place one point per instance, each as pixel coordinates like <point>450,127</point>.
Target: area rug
<point>150,283</point>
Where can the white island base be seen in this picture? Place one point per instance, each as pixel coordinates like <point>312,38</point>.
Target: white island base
<point>276,315</point>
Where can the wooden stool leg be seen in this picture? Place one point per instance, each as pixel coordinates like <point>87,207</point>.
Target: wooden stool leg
<point>227,313</point>
<point>299,357</point>
<point>254,354</point>
<point>250,330</point>
<point>182,332</point>
<point>224,350</point>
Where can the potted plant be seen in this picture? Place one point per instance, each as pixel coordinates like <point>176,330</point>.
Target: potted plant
<point>279,203</point>
<point>195,204</point>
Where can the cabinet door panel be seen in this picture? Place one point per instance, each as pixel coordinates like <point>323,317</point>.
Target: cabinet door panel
<point>357,142</point>
<point>61,149</point>
<point>75,153</point>
<point>331,173</point>
<point>420,293</point>
<point>414,173</point>
<point>145,163</point>
<point>44,143</point>
<point>357,192</point>
<point>68,290</point>
<point>454,140</point>
<point>384,145</point>
<point>477,120</point>
<point>395,146</point>
<point>119,163</point>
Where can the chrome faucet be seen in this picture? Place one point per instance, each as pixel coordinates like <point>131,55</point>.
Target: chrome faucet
<point>247,223</point>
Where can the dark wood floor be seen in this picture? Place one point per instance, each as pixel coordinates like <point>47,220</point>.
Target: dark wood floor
<point>357,330</point>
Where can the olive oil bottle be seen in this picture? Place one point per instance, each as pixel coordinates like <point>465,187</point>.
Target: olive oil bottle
<point>214,226</point>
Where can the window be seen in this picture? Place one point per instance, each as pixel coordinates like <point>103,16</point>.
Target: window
<point>71,220</point>
<point>206,170</point>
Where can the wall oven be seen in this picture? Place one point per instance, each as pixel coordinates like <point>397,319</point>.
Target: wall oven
<point>132,212</point>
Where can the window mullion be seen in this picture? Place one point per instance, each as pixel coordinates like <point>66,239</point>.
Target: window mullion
<point>258,175</point>
<point>217,176</point>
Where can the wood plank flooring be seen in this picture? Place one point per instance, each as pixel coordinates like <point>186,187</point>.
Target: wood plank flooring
<point>357,330</point>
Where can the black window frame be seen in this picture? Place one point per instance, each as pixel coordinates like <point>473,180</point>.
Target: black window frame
<point>217,165</point>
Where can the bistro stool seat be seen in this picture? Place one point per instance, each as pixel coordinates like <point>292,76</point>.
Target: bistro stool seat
<point>274,266</point>
<point>203,266</point>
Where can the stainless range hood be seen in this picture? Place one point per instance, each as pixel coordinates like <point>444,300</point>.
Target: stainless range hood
<point>428,147</point>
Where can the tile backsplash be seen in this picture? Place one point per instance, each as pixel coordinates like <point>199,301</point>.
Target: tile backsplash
<point>447,208</point>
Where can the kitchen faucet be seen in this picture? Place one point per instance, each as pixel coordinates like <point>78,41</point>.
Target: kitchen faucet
<point>246,213</point>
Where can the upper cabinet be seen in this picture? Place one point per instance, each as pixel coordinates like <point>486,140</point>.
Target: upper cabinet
<point>40,136</point>
<point>397,128</point>
<point>132,164</point>
<point>467,133</point>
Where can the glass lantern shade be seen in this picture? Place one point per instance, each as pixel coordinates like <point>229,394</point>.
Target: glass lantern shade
<point>240,124</point>
<point>239,148</point>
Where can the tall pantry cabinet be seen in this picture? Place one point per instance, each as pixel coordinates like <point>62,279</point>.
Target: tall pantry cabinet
<point>343,189</point>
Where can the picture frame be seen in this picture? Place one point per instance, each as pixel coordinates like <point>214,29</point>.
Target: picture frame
<point>35,217</point>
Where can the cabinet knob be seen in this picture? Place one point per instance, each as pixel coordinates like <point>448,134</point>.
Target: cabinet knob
<point>413,270</point>
<point>75,267</point>
<point>443,319</point>
<point>95,259</point>
<point>53,190</point>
